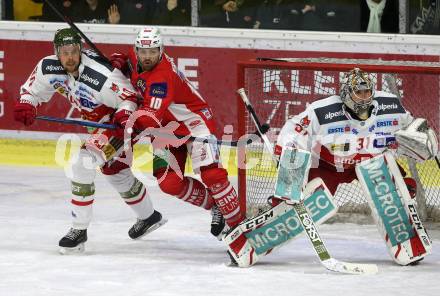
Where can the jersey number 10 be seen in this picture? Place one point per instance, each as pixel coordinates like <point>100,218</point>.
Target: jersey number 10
<point>155,103</point>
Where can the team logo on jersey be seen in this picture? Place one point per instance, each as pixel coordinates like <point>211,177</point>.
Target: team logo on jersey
<point>92,78</point>
<point>159,89</point>
<point>114,87</point>
<point>389,106</point>
<point>385,123</point>
<point>195,123</point>
<point>337,130</point>
<point>371,128</point>
<point>52,67</point>
<point>207,113</point>
<point>354,131</point>
<point>340,147</point>
<point>87,103</point>
<point>330,113</point>
<point>59,85</point>
<point>382,134</point>
<point>141,85</point>
<point>388,142</point>
<point>305,122</point>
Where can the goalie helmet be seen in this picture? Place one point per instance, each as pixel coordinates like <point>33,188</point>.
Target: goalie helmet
<point>352,84</point>
<point>149,37</point>
<point>64,37</point>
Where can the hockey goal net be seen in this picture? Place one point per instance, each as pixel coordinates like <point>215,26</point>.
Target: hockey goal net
<point>279,89</point>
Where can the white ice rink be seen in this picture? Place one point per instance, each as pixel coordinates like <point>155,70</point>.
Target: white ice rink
<point>181,258</point>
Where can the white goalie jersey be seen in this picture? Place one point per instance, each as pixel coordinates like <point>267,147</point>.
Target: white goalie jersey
<point>96,93</point>
<point>337,140</point>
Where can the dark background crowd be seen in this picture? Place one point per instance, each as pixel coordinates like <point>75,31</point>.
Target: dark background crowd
<point>374,16</point>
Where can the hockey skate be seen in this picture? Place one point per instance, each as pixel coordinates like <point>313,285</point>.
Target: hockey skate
<point>73,241</point>
<point>143,227</point>
<point>218,224</point>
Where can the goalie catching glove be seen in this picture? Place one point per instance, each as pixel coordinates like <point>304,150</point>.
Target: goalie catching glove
<point>417,141</point>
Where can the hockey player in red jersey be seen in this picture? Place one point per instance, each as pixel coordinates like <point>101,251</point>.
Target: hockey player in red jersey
<point>168,97</point>
<point>102,94</point>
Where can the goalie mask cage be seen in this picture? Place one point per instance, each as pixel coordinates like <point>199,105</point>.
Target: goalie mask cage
<point>279,89</point>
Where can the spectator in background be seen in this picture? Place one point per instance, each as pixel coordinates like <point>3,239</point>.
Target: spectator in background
<point>278,14</point>
<point>322,15</point>
<point>226,14</point>
<point>172,13</point>
<point>8,10</point>
<point>379,16</point>
<point>136,11</point>
<point>95,12</point>
<point>63,6</point>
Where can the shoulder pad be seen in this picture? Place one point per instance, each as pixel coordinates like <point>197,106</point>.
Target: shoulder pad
<point>99,59</point>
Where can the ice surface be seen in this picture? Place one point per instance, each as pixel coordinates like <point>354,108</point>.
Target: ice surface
<point>181,258</point>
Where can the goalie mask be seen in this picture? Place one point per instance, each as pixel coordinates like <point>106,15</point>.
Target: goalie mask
<point>149,37</point>
<point>66,36</point>
<point>357,91</point>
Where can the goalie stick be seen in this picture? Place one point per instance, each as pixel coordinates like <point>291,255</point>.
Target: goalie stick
<point>319,247</point>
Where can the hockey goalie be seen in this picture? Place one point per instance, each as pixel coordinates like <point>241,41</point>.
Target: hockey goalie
<point>357,134</point>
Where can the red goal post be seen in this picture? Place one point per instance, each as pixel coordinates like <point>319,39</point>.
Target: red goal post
<point>281,88</point>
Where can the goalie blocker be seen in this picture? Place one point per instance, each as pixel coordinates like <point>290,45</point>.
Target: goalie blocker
<point>393,209</point>
<point>255,238</point>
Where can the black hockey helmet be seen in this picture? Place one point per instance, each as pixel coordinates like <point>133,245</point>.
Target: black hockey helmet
<point>64,37</point>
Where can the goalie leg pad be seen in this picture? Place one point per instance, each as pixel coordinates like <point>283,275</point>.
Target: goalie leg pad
<point>278,225</point>
<point>393,209</point>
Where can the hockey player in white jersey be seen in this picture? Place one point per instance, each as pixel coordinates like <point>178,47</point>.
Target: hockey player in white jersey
<point>102,94</point>
<point>342,131</point>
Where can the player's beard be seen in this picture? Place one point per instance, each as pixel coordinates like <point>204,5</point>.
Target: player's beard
<point>148,64</point>
<point>71,66</point>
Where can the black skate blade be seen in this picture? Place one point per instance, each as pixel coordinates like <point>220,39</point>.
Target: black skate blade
<point>223,233</point>
<point>153,228</point>
<point>232,264</point>
<point>79,249</point>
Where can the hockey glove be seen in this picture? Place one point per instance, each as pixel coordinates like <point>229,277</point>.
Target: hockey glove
<point>119,61</point>
<point>25,112</point>
<point>417,141</point>
<point>120,119</point>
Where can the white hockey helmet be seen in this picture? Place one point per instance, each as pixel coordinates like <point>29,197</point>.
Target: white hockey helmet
<point>352,82</point>
<point>149,37</point>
